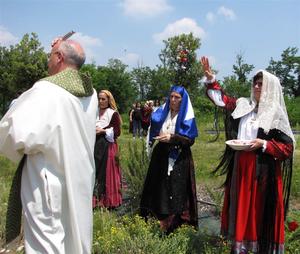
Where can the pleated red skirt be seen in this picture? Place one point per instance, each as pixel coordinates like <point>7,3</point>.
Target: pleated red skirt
<point>113,194</point>
<point>243,205</point>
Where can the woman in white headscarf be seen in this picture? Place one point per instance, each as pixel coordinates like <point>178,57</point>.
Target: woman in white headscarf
<point>257,185</point>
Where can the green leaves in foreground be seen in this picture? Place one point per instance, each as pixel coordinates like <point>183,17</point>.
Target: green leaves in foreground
<point>131,234</point>
<point>135,173</point>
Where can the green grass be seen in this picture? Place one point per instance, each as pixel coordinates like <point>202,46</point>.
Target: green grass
<point>129,234</point>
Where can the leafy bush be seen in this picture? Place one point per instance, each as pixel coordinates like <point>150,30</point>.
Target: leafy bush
<point>135,173</point>
<point>131,234</point>
<point>293,109</point>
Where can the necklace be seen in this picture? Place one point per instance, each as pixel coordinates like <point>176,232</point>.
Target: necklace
<point>171,121</point>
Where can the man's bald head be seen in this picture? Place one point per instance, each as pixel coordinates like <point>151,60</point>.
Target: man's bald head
<point>65,54</point>
<point>73,53</point>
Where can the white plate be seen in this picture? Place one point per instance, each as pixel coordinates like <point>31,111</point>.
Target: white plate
<point>238,144</point>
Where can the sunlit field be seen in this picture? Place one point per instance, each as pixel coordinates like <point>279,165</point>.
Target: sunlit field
<point>123,231</point>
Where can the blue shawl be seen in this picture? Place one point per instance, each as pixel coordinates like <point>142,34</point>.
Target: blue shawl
<point>185,124</point>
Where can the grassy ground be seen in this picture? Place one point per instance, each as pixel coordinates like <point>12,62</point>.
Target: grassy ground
<point>205,156</point>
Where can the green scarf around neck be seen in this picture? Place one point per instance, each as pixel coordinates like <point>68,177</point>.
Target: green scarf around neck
<point>73,81</point>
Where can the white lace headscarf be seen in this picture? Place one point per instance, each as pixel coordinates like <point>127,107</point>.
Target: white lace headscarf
<point>272,112</point>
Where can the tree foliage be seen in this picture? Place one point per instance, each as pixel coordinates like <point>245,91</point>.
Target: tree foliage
<point>288,71</point>
<point>238,84</point>
<point>160,83</point>
<point>184,70</point>
<point>21,66</point>
<point>235,88</point>
<point>115,78</point>
<point>141,77</point>
<point>242,69</point>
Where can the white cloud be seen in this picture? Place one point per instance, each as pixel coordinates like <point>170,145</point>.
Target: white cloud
<point>182,26</point>
<point>86,40</point>
<point>227,13</point>
<point>137,8</point>
<point>89,45</point>
<point>131,59</point>
<point>210,17</point>
<point>7,38</point>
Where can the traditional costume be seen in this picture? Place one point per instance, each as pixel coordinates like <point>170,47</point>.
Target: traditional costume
<point>107,192</point>
<point>170,189</point>
<point>257,185</point>
<point>146,115</point>
<point>136,115</point>
<point>53,124</point>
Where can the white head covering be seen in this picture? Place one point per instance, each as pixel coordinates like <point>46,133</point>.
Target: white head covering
<point>272,112</point>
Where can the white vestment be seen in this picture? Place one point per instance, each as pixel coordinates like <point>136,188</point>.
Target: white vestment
<point>57,132</point>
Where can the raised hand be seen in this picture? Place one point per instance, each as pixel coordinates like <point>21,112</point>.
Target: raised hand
<point>206,68</point>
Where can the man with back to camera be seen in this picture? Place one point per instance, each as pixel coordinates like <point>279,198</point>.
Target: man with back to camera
<point>53,126</point>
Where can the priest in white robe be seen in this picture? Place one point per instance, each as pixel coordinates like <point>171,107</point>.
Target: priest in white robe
<point>53,124</point>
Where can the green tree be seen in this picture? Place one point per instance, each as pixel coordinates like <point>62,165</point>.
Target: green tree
<point>241,69</point>
<point>293,109</point>
<point>119,82</point>
<point>115,78</point>
<point>238,84</point>
<point>180,59</point>
<point>21,65</point>
<point>159,83</point>
<point>98,75</point>
<point>141,77</point>
<point>288,71</point>
<point>235,88</point>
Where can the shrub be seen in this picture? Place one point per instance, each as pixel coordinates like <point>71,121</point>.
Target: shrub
<point>131,234</point>
<point>293,109</point>
<point>135,173</point>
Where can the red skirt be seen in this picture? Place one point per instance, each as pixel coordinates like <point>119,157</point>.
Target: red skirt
<point>113,194</point>
<point>243,205</point>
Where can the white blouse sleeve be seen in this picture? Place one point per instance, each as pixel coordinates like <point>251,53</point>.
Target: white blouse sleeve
<point>109,135</point>
<point>216,97</point>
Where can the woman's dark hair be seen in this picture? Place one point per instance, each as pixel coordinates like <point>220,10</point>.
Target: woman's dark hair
<point>258,75</point>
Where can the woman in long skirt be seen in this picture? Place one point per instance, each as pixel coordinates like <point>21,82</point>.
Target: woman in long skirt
<point>107,191</point>
<point>258,178</point>
<point>169,191</point>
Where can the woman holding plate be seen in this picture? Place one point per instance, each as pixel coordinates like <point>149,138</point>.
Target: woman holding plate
<point>169,191</point>
<point>258,181</point>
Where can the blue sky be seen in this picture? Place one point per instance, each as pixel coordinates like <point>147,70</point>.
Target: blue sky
<point>133,30</point>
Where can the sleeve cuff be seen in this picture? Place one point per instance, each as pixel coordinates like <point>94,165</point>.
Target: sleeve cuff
<point>206,81</point>
<point>109,134</point>
<point>264,147</point>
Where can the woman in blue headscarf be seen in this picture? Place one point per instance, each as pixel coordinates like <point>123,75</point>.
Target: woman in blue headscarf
<point>169,191</point>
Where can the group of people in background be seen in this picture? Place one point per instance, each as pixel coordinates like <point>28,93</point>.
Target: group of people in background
<point>139,117</point>
<point>68,141</point>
